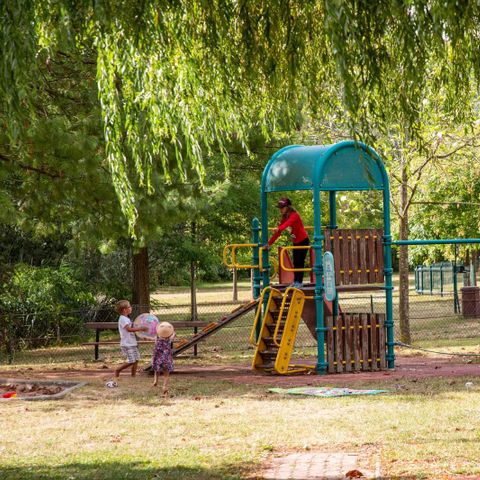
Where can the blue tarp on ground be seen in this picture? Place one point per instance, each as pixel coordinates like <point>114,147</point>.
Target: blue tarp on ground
<point>325,391</point>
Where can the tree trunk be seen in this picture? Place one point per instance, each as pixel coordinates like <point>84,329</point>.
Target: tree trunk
<point>193,279</point>
<point>404,309</point>
<point>141,281</point>
<point>235,285</point>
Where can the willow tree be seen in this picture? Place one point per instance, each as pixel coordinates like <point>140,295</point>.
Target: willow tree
<point>177,80</point>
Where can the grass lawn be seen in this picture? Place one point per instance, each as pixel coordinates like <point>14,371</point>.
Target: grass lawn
<point>218,429</point>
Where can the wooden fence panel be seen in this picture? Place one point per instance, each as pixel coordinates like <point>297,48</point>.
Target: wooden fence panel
<point>382,341</point>
<point>330,344</point>
<point>356,342</point>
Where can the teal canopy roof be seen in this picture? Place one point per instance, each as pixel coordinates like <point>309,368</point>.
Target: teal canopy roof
<point>346,165</point>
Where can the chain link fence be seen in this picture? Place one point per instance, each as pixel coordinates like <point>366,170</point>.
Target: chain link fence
<point>63,337</point>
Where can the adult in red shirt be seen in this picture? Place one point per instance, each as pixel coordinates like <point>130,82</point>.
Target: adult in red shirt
<point>292,222</point>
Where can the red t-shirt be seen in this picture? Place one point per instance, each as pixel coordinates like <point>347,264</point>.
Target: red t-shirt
<point>295,226</point>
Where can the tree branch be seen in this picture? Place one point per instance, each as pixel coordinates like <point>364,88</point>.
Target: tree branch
<point>30,168</point>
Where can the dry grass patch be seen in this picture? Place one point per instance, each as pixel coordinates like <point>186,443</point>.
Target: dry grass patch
<point>217,429</point>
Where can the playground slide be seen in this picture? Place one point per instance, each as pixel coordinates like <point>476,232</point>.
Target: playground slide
<point>211,328</point>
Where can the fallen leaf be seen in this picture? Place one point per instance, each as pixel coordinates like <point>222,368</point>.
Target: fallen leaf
<point>354,474</point>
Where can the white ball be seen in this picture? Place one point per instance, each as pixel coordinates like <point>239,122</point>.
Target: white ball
<point>469,385</point>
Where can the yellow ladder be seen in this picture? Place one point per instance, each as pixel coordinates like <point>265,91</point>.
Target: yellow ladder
<point>274,346</point>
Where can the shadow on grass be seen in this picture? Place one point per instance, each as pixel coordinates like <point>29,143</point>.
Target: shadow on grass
<point>117,471</point>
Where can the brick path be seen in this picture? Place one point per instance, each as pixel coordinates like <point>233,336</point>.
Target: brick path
<point>315,465</point>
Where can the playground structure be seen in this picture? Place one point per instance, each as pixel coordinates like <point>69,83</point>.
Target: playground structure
<point>362,260</point>
<point>346,341</point>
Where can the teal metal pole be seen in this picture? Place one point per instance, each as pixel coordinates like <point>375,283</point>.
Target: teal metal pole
<point>388,272</point>
<point>255,258</point>
<point>333,209</point>
<point>456,304</point>
<point>431,279</point>
<point>441,279</point>
<point>447,241</point>
<point>265,264</point>
<point>333,224</point>
<point>320,329</point>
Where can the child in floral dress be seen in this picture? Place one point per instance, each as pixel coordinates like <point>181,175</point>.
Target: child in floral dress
<point>162,361</point>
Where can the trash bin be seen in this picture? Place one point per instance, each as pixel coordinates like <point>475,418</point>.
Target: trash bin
<point>471,301</point>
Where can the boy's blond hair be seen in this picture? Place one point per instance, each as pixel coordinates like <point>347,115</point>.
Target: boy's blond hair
<point>121,305</point>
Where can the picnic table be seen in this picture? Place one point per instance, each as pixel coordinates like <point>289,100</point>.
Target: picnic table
<point>100,326</point>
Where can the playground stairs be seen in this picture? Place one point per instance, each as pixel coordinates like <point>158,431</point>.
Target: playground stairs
<point>213,327</point>
<point>282,313</point>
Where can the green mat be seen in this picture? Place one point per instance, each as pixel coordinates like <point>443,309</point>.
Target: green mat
<point>325,391</point>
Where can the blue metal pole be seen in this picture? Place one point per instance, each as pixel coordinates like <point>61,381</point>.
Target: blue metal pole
<point>441,279</point>
<point>456,304</point>
<point>265,263</point>
<point>255,259</point>
<point>333,224</point>
<point>431,279</point>
<point>318,237</point>
<point>388,270</point>
<point>448,241</point>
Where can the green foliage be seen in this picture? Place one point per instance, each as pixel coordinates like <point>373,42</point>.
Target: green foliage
<point>177,82</point>
<point>37,289</point>
<point>38,306</point>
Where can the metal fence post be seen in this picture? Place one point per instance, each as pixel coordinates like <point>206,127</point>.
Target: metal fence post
<point>441,279</point>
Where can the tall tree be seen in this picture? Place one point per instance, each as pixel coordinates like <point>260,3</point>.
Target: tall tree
<point>178,79</point>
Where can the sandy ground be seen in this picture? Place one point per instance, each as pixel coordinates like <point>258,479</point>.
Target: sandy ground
<point>407,367</point>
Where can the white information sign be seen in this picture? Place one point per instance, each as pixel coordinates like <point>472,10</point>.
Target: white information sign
<point>329,276</point>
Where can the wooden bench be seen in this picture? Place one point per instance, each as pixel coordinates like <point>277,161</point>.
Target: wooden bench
<point>99,326</point>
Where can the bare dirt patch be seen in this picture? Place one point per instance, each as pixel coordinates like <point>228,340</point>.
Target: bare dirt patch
<point>35,389</point>
<point>407,367</point>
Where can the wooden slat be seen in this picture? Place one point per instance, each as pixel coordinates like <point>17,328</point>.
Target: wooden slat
<point>115,342</point>
<point>347,322</point>
<point>354,264</point>
<point>114,325</point>
<point>327,242</point>
<point>337,256</point>
<point>339,343</point>
<point>373,341</point>
<point>357,350</point>
<point>371,256</point>
<point>381,341</point>
<point>364,336</point>
<point>345,254</point>
<point>363,256</point>
<point>330,337</point>
<point>379,256</point>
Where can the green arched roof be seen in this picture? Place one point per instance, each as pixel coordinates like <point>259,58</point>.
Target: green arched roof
<point>346,165</point>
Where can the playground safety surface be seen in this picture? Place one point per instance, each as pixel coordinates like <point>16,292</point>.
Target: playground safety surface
<point>406,367</point>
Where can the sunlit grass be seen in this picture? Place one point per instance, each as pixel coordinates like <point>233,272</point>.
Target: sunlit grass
<point>218,429</point>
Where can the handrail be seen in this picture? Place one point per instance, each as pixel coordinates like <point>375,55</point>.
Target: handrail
<point>280,313</point>
<point>234,247</point>
<point>294,247</point>
<point>259,309</point>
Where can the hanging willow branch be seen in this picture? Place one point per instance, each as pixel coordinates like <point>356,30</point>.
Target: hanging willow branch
<point>178,80</point>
